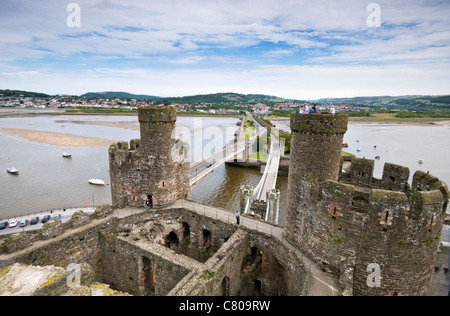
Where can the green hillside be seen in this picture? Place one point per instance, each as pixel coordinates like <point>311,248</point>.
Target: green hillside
<point>26,94</point>
<point>402,102</point>
<point>225,98</point>
<point>119,95</point>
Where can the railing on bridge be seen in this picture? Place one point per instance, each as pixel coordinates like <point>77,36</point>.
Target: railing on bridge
<point>264,198</point>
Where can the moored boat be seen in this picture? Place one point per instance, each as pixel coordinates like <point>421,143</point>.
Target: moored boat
<point>12,170</point>
<point>67,153</point>
<point>96,182</point>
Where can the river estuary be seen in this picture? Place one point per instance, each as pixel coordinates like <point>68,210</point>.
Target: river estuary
<point>47,181</point>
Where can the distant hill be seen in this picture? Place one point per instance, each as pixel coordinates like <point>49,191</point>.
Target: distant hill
<point>226,98</point>
<point>18,93</point>
<point>119,95</point>
<point>393,102</point>
<point>419,102</point>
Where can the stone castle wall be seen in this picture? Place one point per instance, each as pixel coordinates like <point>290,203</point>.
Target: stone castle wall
<point>348,225</point>
<point>156,166</point>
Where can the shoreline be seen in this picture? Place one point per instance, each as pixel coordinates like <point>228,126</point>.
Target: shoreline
<point>380,121</point>
<point>352,120</point>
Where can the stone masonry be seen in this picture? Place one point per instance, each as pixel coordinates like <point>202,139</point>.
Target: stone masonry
<point>156,167</point>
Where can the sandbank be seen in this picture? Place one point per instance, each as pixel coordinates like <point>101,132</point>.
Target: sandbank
<point>57,139</point>
<point>134,126</point>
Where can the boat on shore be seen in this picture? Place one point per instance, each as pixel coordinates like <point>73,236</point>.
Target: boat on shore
<point>97,182</point>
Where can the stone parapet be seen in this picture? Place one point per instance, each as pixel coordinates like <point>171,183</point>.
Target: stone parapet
<point>323,124</point>
<point>157,115</point>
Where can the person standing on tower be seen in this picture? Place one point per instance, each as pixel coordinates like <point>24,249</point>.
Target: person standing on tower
<point>333,110</point>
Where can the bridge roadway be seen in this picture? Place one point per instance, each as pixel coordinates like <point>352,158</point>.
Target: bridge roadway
<point>269,178</point>
<point>201,169</point>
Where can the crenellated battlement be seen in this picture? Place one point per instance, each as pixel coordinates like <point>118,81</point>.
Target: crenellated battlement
<point>395,178</point>
<point>124,152</point>
<point>385,210</point>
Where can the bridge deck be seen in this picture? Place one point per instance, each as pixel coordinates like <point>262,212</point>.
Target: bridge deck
<point>269,178</point>
<point>201,169</point>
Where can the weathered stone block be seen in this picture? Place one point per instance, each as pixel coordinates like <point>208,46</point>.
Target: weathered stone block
<point>79,219</point>
<point>16,242</point>
<point>51,229</point>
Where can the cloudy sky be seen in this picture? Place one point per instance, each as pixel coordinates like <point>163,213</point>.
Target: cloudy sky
<point>288,48</point>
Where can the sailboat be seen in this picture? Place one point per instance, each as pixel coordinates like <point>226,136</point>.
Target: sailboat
<point>67,154</point>
<point>97,181</point>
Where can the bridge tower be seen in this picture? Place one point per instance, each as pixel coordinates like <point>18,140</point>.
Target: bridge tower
<point>156,167</point>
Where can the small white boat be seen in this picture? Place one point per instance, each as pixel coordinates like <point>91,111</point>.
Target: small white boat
<point>359,149</point>
<point>12,170</point>
<point>96,182</point>
<point>67,153</point>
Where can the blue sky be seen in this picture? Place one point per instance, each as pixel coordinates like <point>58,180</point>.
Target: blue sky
<point>292,48</point>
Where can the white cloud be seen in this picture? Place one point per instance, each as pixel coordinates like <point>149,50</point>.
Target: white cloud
<point>330,49</point>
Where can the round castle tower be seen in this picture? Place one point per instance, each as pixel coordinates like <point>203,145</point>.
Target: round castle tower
<point>373,236</point>
<point>316,149</point>
<point>317,145</point>
<point>156,167</point>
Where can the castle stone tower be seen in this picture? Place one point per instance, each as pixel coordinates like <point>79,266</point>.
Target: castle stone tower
<point>317,145</point>
<point>316,150</point>
<point>156,167</point>
<point>374,236</point>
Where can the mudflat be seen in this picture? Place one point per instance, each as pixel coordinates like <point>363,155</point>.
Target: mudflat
<point>57,139</point>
